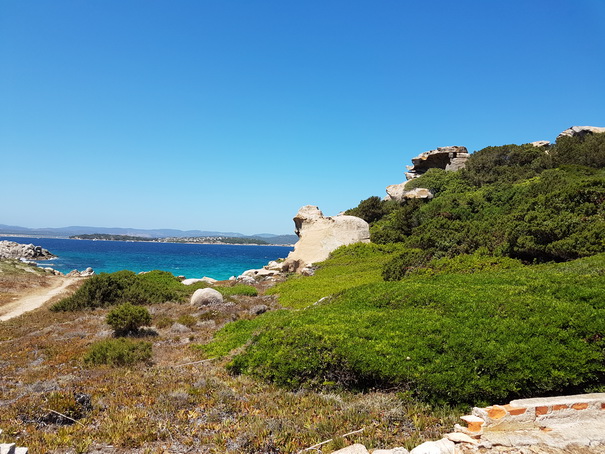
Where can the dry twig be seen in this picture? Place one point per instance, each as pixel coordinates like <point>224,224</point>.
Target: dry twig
<point>328,441</point>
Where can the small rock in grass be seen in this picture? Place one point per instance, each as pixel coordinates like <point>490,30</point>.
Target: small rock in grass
<point>258,309</point>
<point>179,328</point>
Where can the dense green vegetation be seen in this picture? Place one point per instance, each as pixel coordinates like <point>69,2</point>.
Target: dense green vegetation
<point>127,319</point>
<point>108,289</point>
<point>447,336</point>
<point>492,290</point>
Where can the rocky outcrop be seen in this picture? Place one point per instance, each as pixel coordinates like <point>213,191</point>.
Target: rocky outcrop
<point>540,143</point>
<point>86,273</point>
<point>319,235</point>
<point>206,297</point>
<point>398,192</point>
<point>12,250</point>
<point>447,158</point>
<point>581,131</point>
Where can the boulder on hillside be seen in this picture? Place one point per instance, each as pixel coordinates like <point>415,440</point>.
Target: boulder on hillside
<point>319,235</point>
<point>448,158</point>
<point>206,297</point>
<point>12,250</point>
<point>540,143</point>
<point>399,193</point>
<point>581,131</point>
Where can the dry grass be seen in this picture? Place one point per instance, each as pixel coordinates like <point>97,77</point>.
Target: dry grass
<point>17,278</point>
<point>172,406</point>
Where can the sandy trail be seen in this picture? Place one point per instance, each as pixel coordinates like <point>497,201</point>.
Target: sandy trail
<point>34,299</point>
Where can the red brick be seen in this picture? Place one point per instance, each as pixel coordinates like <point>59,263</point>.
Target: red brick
<point>559,407</point>
<point>496,412</point>
<point>514,411</point>
<point>583,406</point>
<point>541,411</point>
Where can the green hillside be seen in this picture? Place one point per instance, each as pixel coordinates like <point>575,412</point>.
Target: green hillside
<point>492,290</point>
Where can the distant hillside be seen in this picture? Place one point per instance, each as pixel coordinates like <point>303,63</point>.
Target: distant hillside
<point>70,231</point>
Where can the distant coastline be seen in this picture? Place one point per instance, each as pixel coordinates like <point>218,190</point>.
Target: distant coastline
<point>188,240</point>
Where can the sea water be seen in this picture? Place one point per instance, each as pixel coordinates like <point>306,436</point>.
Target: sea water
<point>219,261</point>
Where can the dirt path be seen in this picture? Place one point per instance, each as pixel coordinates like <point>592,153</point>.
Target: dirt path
<point>34,300</point>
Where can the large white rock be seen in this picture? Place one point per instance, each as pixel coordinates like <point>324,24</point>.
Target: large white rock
<point>391,451</point>
<point>443,446</point>
<point>581,131</point>
<point>353,449</point>
<point>206,297</point>
<point>319,235</point>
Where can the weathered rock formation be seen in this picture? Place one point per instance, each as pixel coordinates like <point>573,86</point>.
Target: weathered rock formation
<point>581,131</point>
<point>447,158</point>
<point>540,143</point>
<point>399,193</point>
<point>12,250</point>
<point>319,235</point>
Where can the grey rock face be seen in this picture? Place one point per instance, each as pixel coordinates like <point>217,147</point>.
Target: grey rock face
<point>12,250</point>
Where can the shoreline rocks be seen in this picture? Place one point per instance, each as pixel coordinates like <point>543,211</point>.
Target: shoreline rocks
<point>24,252</point>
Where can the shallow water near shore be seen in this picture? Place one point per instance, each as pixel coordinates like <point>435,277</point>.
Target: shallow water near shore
<point>219,261</point>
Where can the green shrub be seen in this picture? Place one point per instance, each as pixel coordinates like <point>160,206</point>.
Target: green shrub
<point>371,209</point>
<point>163,322</point>
<point>239,289</point>
<point>347,267</point>
<point>404,263</point>
<point>118,352</point>
<point>127,318</point>
<point>187,320</point>
<point>125,286</point>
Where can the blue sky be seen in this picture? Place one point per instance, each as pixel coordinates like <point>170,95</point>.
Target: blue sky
<point>230,115</point>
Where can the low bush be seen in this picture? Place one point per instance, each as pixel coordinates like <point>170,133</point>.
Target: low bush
<point>404,263</point>
<point>187,320</point>
<point>118,352</point>
<point>347,267</point>
<point>418,262</point>
<point>108,289</point>
<point>489,336</point>
<point>127,318</point>
<point>239,289</point>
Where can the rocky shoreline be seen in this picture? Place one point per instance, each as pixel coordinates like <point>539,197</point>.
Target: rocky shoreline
<point>18,251</point>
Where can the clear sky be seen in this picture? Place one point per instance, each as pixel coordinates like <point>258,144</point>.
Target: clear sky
<point>229,115</point>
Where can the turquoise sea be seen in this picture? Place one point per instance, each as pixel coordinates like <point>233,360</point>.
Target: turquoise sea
<point>219,261</point>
